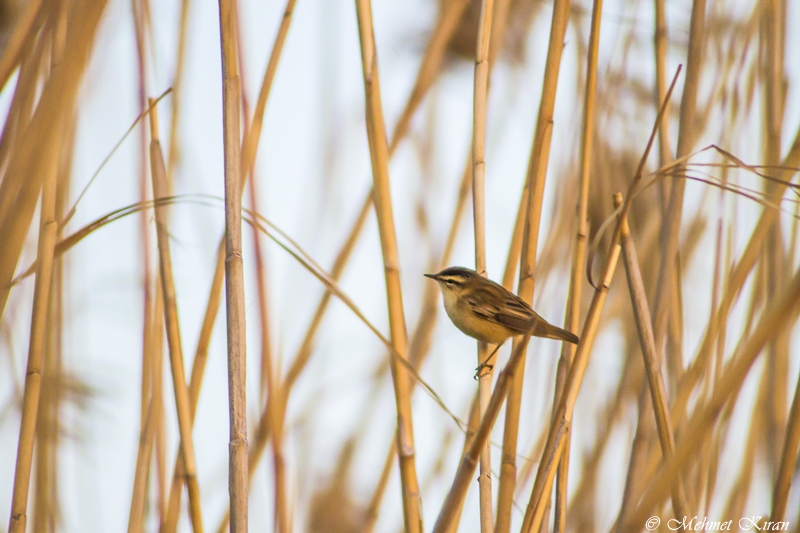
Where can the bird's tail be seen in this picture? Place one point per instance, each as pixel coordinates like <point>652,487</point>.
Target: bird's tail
<point>549,331</point>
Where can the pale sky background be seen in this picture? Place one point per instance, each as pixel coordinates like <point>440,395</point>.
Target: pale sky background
<point>317,96</point>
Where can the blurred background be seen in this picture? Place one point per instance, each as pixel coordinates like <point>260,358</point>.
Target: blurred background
<point>311,178</point>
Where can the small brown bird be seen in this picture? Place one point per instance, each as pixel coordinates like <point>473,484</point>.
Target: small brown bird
<point>489,312</point>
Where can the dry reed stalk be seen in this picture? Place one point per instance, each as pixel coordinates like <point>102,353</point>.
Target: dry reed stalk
<point>736,280</point>
<point>379,155</point>
<point>718,279</point>
<point>152,401</point>
<point>637,462</point>
<point>269,378</point>
<point>708,463</point>
<point>454,501</point>
<point>527,469</point>
<point>644,458</point>
<point>25,170</point>
<point>33,377</point>
<point>777,315</point>
<point>772,32</point>
<point>151,405</point>
<point>182,403</point>
<point>269,372</point>
<point>249,148</point>
<point>581,506</point>
<point>263,428</point>
<point>446,25</point>
<point>33,166</point>
<point>238,485</point>
<point>419,347</point>
<point>47,491</point>
<point>420,340</point>
<point>373,507</point>
<point>164,493</point>
<point>501,11</point>
<point>173,152</point>
<point>535,181</point>
<point>479,103</point>
<point>420,343</point>
<point>780,494</point>
<point>139,493</point>
<point>20,39</point>
<point>277,412</point>
<point>738,495</point>
<point>195,382</point>
<point>151,433</point>
<point>571,322</point>
<point>251,143</point>
<point>667,280</point>
<point>147,330</point>
<point>563,417</point>
<point>480,93</point>
<point>371,512</point>
<point>562,420</point>
<point>450,13</point>
<point>660,41</point>
<point>762,276</point>
<point>248,154</point>
<point>343,256</point>
<point>295,250</point>
<point>713,468</point>
<point>20,111</point>
<point>46,500</point>
<point>652,362</point>
<point>515,247</point>
<point>472,429</point>
<point>304,353</point>
<point>157,349</point>
<point>147,357</point>
<point>45,505</point>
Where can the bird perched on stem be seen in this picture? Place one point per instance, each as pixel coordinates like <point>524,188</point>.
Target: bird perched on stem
<point>489,312</point>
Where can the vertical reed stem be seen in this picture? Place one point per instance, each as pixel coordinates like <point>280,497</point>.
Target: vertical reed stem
<point>562,420</point>
<point>480,90</point>
<point>469,461</point>
<point>667,274</point>
<point>248,156</point>
<point>234,273</point>
<point>379,155</point>
<point>159,175</point>
<point>33,376</point>
<point>777,315</point>
<point>780,494</point>
<point>535,181</point>
<point>579,253</point>
<point>652,362</point>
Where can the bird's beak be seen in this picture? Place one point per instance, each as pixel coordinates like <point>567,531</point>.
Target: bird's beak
<point>432,276</point>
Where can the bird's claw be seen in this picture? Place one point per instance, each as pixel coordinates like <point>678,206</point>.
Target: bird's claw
<point>479,371</point>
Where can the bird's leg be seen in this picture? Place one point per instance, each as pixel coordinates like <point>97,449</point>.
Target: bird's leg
<point>486,364</point>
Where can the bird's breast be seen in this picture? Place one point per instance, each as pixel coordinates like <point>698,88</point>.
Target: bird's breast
<point>476,327</point>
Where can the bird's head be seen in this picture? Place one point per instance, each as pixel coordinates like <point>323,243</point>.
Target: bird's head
<point>454,281</point>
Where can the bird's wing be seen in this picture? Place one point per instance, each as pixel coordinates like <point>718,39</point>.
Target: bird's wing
<point>515,314</point>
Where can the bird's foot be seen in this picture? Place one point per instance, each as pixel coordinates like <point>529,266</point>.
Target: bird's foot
<point>479,372</point>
